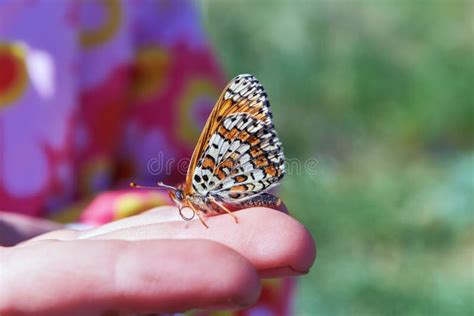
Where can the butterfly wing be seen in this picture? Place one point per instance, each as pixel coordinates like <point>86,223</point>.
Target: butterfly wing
<point>238,154</point>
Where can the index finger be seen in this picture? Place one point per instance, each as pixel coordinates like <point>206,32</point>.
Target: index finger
<point>277,244</point>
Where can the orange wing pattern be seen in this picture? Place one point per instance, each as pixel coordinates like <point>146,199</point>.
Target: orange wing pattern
<point>238,154</point>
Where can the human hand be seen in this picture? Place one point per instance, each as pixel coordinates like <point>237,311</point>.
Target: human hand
<point>15,228</point>
<point>153,262</point>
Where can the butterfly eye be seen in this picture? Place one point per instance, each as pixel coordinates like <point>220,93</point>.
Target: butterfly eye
<point>179,195</point>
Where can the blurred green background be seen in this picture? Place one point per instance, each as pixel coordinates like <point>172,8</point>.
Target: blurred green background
<point>381,94</point>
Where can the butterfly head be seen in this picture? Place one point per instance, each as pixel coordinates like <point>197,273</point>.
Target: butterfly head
<point>179,198</point>
<point>177,195</point>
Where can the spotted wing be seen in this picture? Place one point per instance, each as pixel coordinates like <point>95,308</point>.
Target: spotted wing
<point>242,156</point>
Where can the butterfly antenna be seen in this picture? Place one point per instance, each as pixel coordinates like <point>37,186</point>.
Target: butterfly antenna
<point>159,185</point>
<point>162,185</point>
<point>137,186</point>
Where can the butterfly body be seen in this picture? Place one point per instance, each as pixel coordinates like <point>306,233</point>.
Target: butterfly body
<point>212,205</point>
<point>238,155</point>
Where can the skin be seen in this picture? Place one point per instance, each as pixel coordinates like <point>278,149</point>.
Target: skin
<point>152,262</point>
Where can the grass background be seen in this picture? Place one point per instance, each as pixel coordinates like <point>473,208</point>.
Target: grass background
<point>381,94</point>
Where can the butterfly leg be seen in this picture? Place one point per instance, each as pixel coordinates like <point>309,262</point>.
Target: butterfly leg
<point>198,213</point>
<point>222,207</point>
<point>202,220</point>
<point>180,209</point>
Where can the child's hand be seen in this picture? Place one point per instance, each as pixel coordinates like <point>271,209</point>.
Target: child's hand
<point>153,262</point>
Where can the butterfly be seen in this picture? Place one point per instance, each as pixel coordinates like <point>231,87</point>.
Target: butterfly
<point>237,157</point>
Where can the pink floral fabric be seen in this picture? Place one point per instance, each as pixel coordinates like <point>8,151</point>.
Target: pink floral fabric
<point>90,87</point>
<point>94,94</point>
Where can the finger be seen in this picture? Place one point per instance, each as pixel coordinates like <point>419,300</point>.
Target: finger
<point>156,215</point>
<point>61,234</point>
<point>90,276</point>
<point>274,242</point>
<point>15,228</point>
